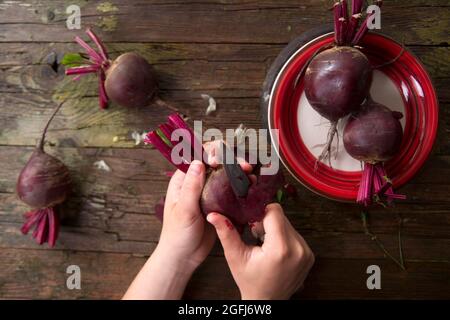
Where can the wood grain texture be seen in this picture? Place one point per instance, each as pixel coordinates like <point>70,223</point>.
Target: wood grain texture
<point>223,48</point>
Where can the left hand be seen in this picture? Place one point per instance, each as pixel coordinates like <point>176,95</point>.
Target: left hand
<point>186,236</point>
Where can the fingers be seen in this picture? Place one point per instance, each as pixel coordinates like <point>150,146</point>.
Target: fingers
<point>257,230</point>
<point>174,189</point>
<point>192,188</point>
<point>233,246</point>
<point>274,224</point>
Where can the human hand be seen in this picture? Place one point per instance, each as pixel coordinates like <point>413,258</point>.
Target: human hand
<point>185,235</point>
<point>274,270</point>
<point>185,241</point>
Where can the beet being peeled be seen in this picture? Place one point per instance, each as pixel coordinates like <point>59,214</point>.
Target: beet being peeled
<point>374,135</point>
<point>337,80</point>
<point>218,194</point>
<point>43,183</point>
<point>128,80</point>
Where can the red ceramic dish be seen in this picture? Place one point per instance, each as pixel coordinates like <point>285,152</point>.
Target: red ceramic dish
<point>420,111</point>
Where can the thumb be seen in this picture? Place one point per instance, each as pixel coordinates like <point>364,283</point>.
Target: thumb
<point>233,246</point>
<point>191,189</point>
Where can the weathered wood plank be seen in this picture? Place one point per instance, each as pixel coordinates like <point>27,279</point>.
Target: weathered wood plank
<point>215,21</point>
<point>42,274</point>
<point>113,212</point>
<point>233,74</point>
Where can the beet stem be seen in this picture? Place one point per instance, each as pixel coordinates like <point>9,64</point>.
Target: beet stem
<point>379,243</point>
<point>337,27</point>
<point>391,61</point>
<point>40,144</point>
<point>102,96</point>
<point>52,227</point>
<point>98,43</point>
<point>363,28</point>
<point>82,70</point>
<point>177,122</point>
<point>91,52</point>
<point>164,149</point>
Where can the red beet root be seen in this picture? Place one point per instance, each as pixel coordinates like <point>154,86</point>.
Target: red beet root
<point>337,81</point>
<point>374,135</point>
<point>128,81</point>
<point>218,194</point>
<point>42,184</point>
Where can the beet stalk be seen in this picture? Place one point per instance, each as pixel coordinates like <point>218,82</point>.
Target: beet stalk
<point>218,194</point>
<point>43,183</point>
<point>374,135</point>
<point>128,80</point>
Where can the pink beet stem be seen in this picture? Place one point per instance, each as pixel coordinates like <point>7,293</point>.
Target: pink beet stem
<point>337,29</point>
<point>32,218</point>
<point>352,25</point>
<point>364,29</point>
<point>53,227</point>
<point>357,6</point>
<point>164,149</point>
<point>365,191</point>
<point>96,58</point>
<point>177,122</point>
<point>82,70</point>
<point>41,235</point>
<point>167,130</point>
<point>98,43</point>
<point>342,30</point>
<point>102,96</point>
<point>344,9</point>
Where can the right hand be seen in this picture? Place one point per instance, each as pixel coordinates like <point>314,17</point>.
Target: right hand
<point>275,270</point>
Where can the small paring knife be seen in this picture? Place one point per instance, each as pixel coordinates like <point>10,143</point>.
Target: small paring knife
<point>239,181</point>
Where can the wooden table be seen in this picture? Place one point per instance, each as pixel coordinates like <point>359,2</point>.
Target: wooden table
<point>222,48</point>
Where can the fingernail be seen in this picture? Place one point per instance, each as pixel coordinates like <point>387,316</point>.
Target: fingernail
<point>195,168</point>
<point>209,217</point>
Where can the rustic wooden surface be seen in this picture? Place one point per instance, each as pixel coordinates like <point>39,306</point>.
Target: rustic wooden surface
<point>222,48</point>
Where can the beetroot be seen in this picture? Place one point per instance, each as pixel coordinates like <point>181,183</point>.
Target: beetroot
<point>218,194</point>
<point>128,80</point>
<point>374,135</point>
<point>337,80</point>
<point>42,184</point>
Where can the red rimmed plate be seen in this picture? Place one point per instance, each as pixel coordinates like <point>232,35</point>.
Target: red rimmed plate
<point>402,86</point>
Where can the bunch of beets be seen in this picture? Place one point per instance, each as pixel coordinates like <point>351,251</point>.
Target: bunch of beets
<point>337,83</point>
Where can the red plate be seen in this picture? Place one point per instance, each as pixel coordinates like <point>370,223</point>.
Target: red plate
<point>416,96</point>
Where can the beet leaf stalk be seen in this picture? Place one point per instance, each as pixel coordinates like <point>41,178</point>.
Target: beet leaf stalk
<point>98,62</point>
<point>161,139</point>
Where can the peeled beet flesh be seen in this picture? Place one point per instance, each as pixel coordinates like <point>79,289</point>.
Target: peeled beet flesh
<point>218,196</point>
<point>130,81</point>
<point>374,134</point>
<point>337,81</point>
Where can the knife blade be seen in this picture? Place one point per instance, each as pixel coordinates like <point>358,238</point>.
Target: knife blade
<point>239,181</point>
